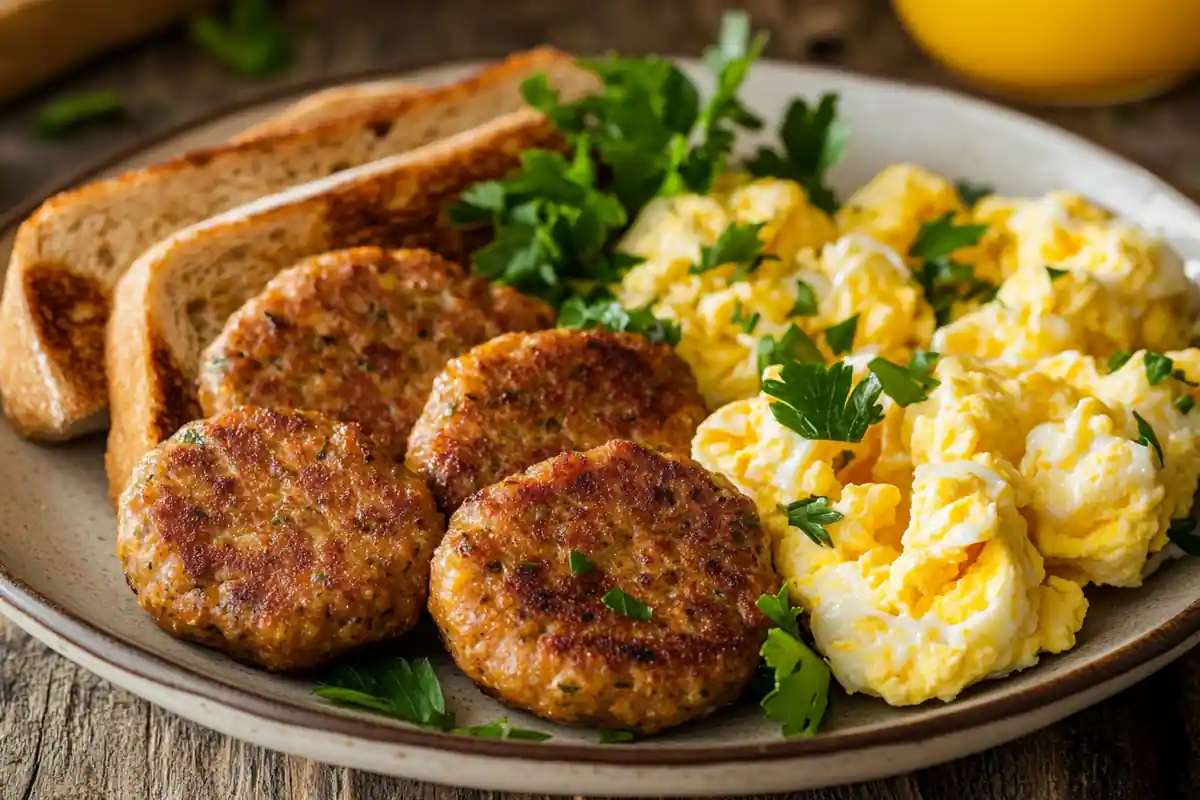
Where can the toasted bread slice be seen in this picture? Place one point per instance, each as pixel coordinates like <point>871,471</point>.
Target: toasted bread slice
<point>69,255</point>
<point>178,295</point>
<point>322,106</point>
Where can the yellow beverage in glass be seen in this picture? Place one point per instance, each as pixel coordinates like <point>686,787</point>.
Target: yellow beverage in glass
<point>1061,51</point>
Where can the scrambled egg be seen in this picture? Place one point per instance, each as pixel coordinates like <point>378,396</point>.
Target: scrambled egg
<point>971,521</point>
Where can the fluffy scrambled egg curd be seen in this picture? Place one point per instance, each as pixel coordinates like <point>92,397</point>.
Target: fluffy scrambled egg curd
<point>1054,442</point>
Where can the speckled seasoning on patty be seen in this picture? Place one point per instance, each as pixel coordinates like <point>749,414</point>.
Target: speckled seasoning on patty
<point>359,335</point>
<point>283,538</point>
<point>667,541</point>
<point>522,398</point>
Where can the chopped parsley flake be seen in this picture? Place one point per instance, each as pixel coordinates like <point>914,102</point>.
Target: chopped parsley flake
<point>627,606</point>
<point>904,385</point>
<point>795,345</point>
<point>739,245</point>
<point>840,337</point>
<point>1147,438</point>
<point>806,301</point>
<point>581,563</point>
<point>192,436</point>
<point>1118,360</point>
<point>811,515</point>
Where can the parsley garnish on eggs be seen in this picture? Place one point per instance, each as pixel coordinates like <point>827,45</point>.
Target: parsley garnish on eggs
<point>944,280</point>
<point>609,314</point>
<point>811,515</point>
<point>738,245</point>
<point>646,133</point>
<point>817,401</point>
<point>813,141</point>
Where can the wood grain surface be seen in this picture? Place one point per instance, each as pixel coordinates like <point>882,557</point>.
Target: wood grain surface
<point>66,734</point>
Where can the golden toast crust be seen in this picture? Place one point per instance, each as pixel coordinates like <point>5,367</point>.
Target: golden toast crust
<point>176,297</point>
<point>69,255</point>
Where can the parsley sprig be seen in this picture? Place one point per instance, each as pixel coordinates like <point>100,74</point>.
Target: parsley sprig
<point>817,401</point>
<point>409,692</point>
<point>800,694</point>
<point>944,280</point>
<point>553,226</point>
<point>811,515</point>
<point>607,313</point>
<point>739,245</point>
<point>806,304</point>
<point>1118,360</point>
<point>794,345</point>
<point>647,122</point>
<point>905,385</point>
<point>840,337</point>
<point>252,42</point>
<point>813,140</point>
<point>971,193</point>
<point>62,116</point>
<point>1160,367</point>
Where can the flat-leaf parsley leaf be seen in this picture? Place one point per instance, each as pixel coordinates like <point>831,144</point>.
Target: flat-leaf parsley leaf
<point>738,245</point>
<point>793,345</point>
<point>840,337</point>
<point>626,605</point>
<point>904,385</point>
<point>252,43</point>
<point>64,115</point>
<point>813,141</point>
<point>777,609</point>
<point>817,402</point>
<point>971,193</point>
<point>811,515</point>
<point>503,729</point>
<point>611,315</point>
<point>410,692</point>
<point>806,301</point>
<point>800,693</point>
<point>581,563</point>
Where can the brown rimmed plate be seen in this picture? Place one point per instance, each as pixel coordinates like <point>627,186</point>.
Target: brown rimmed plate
<point>60,580</point>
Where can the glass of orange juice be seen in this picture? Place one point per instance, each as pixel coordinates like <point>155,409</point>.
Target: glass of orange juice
<point>1061,51</point>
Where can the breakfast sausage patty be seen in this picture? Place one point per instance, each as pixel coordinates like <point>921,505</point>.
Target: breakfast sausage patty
<point>522,398</point>
<point>281,537</point>
<point>542,636</point>
<point>360,335</point>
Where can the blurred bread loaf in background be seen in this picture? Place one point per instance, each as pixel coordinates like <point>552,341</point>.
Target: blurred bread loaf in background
<point>39,39</point>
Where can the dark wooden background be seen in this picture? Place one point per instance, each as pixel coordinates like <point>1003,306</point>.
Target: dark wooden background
<point>67,734</point>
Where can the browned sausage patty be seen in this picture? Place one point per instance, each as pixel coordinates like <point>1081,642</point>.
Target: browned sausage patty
<point>522,398</point>
<point>661,529</point>
<point>281,537</point>
<point>360,335</point>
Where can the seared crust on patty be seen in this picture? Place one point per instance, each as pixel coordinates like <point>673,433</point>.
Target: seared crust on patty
<point>522,398</point>
<point>281,537</point>
<point>360,335</point>
<point>658,527</point>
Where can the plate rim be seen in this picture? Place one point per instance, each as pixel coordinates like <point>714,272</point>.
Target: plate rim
<point>129,658</point>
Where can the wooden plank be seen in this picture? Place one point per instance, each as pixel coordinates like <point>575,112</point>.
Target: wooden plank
<point>64,733</point>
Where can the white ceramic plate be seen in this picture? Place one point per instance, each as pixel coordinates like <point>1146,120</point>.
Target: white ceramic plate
<point>60,580</point>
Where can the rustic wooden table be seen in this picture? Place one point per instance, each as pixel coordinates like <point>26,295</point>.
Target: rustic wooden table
<point>65,733</point>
